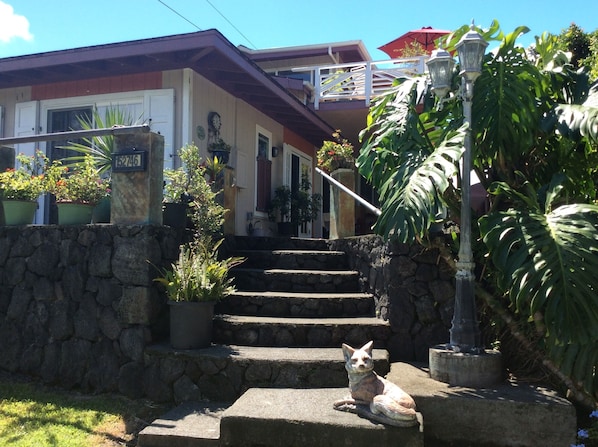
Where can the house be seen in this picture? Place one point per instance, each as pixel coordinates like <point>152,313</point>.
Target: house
<point>174,83</point>
<point>268,105</point>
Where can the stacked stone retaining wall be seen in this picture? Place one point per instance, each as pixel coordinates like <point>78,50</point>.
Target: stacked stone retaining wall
<point>413,287</point>
<point>78,305</point>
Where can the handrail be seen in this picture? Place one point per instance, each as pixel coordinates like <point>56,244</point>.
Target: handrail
<point>57,136</point>
<point>358,198</point>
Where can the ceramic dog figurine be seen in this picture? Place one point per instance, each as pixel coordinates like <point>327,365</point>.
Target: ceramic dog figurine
<point>373,396</point>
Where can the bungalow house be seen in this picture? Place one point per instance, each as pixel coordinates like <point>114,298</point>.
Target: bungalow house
<point>189,88</point>
<point>274,107</point>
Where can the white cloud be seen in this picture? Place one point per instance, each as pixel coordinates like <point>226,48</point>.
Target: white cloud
<point>13,25</point>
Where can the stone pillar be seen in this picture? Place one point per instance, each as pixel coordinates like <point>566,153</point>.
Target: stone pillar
<point>342,205</point>
<point>137,190</point>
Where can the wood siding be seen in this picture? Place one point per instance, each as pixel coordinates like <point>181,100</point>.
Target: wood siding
<point>97,86</point>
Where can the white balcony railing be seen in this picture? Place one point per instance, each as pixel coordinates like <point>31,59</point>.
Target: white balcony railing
<point>361,81</point>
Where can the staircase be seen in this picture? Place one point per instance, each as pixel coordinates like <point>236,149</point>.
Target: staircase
<point>296,293</point>
<point>276,368</point>
<point>297,302</point>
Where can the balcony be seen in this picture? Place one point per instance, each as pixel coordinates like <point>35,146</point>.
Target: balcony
<point>359,81</point>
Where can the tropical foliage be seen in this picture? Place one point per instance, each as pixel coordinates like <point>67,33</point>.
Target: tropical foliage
<point>198,274</point>
<point>99,147</point>
<point>535,141</point>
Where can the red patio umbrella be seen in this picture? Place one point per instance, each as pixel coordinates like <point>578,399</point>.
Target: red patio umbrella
<point>425,36</point>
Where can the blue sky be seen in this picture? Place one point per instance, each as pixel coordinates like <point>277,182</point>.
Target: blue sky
<point>34,26</point>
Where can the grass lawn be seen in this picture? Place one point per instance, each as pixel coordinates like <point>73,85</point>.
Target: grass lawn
<point>34,415</point>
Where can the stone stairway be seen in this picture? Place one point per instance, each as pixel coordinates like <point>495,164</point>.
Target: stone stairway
<point>296,293</point>
<point>297,303</point>
<point>276,367</point>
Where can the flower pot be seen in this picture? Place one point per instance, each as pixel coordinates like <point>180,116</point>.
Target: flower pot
<point>101,212</point>
<point>222,156</point>
<point>286,229</point>
<point>191,324</point>
<point>18,212</point>
<point>74,213</point>
<point>174,215</point>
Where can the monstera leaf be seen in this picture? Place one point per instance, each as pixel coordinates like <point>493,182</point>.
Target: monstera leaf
<point>576,120</point>
<point>548,263</point>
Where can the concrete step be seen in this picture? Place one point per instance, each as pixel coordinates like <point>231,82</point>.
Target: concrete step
<point>274,417</point>
<point>236,243</point>
<point>299,418</point>
<point>224,372</point>
<point>297,304</point>
<point>191,424</point>
<point>506,414</point>
<point>294,259</point>
<point>295,280</point>
<point>314,332</point>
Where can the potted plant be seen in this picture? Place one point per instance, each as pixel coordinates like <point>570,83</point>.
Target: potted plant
<point>294,207</point>
<point>100,148</point>
<point>280,208</point>
<point>194,284</point>
<point>77,189</point>
<point>220,149</point>
<point>20,188</point>
<point>192,187</point>
<point>336,154</point>
<point>176,198</point>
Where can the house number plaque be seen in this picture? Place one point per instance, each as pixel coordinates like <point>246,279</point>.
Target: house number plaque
<point>129,160</point>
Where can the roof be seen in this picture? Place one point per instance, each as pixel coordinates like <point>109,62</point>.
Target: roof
<point>208,53</point>
<point>349,51</point>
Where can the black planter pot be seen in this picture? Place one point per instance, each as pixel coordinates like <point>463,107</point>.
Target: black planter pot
<point>174,215</point>
<point>287,229</point>
<point>191,324</point>
<point>223,156</point>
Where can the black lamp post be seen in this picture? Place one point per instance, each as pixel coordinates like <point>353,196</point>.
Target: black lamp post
<point>465,333</point>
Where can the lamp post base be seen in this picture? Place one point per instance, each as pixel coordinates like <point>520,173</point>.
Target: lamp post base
<point>465,369</point>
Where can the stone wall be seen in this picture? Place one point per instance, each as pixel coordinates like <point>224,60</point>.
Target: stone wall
<point>77,304</point>
<point>413,287</point>
<point>78,307</point>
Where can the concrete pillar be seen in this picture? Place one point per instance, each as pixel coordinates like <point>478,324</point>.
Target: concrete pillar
<point>137,179</point>
<point>342,205</point>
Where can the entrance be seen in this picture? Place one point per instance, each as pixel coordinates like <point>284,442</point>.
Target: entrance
<point>298,167</point>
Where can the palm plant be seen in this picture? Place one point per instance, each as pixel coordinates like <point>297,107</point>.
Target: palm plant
<point>535,151</point>
<point>99,147</point>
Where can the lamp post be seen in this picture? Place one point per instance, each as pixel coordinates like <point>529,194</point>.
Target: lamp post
<point>465,334</point>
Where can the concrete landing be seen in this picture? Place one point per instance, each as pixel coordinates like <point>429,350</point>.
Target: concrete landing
<point>300,418</point>
<point>192,424</point>
<point>507,414</point>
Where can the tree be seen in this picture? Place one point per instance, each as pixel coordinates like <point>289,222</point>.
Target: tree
<point>535,135</point>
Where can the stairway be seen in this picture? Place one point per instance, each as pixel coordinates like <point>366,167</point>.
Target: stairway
<point>297,302</point>
<point>296,293</point>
